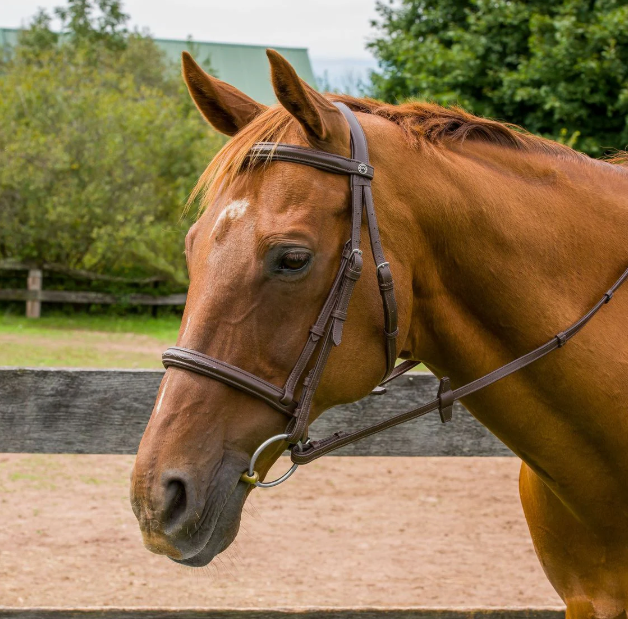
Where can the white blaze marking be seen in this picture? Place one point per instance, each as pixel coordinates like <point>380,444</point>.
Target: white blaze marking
<point>187,326</point>
<point>161,398</point>
<point>233,210</point>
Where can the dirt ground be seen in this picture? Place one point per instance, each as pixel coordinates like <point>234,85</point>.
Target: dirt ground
<point>341,532</point>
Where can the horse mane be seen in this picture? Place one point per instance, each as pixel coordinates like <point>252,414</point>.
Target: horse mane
<point>420,121</point>
<point>423,121</point>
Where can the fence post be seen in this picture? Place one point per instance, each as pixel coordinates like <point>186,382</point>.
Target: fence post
<point>33,308</point>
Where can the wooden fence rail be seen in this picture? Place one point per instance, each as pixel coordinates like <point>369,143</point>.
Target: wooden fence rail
<point>106,411</point>
<point>34,295</point>
<point>76,296</point>
<point>52,267</point>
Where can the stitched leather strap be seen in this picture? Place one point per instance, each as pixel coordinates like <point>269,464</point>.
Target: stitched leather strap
<point>312,158</point>
<point>446,397</point>
<point>229,375</point>
<point>361,189</point>
<point>318,328</point>
<point>402,368</point>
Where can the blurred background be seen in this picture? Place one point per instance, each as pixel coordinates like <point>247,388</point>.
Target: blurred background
<point>100,147</point>
<point>100,144</point>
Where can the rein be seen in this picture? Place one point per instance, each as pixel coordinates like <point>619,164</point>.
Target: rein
<point>326,332</point>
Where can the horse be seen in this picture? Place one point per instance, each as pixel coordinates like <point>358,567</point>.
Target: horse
<point>496,238</point>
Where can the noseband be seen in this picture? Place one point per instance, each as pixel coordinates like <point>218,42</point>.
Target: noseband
<point>326,332</point>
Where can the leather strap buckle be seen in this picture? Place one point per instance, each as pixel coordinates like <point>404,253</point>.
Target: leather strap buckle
<point>384,277</point>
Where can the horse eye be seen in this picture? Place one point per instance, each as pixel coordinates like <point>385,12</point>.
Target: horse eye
<point>294,261</point>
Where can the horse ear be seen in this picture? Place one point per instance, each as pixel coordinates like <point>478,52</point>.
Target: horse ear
<point>319,118</point>
<point>223,106</point>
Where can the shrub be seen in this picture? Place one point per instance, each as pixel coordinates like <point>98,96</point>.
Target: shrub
<point>99,147</point>
<point>559,69</point>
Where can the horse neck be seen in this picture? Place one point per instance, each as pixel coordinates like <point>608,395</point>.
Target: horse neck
<point>509,249</point>
<point>508,246</point>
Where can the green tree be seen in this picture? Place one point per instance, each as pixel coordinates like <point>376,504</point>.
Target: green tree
<point>559,69</point>
<point>99,147</point>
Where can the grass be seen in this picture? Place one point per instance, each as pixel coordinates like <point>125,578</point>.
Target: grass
<point>164,328</point>
<point>84,340</point>
<point>89,341</point>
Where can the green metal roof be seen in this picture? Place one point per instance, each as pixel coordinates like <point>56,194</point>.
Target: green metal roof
<point>8,36</point>
<point>244,66</point>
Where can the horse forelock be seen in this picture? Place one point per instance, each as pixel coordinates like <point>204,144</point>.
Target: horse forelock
<point>232,159</point>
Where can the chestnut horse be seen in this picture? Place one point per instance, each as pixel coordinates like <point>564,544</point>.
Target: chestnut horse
<point>497,240</point>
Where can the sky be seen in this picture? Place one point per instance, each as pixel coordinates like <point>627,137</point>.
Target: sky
<point>334,31</point>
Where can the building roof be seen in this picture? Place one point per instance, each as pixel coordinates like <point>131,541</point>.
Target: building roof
<point>244,66</point>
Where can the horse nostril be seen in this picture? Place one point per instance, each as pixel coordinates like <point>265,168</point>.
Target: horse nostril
<point>175,501</point>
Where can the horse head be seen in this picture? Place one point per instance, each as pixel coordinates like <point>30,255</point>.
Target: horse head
<point>262,258</point>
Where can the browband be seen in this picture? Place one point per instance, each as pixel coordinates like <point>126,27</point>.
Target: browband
<point>322,160</point>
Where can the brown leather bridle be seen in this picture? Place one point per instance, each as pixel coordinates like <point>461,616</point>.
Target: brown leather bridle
<point>326,332</point>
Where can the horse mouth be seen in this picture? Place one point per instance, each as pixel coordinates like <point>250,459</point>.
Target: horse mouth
<point>216,535</point>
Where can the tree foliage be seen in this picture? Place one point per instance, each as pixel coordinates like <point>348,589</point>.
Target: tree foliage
<point>99,147</point>
<point>559,69</point>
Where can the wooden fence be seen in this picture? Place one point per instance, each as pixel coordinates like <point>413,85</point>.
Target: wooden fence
<point>105,411</point>
<point>34,294</point>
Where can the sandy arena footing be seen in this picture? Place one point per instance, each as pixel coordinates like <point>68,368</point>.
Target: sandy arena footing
<point>431,532</point>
